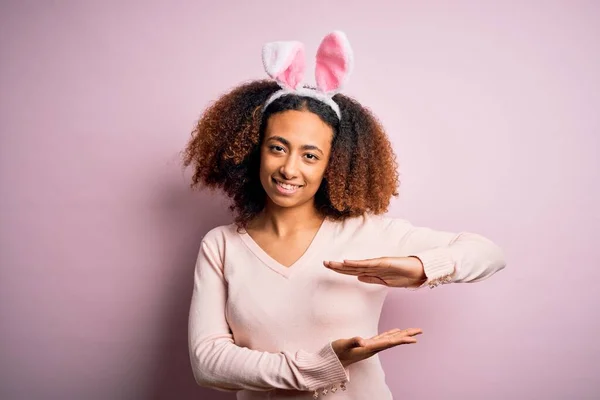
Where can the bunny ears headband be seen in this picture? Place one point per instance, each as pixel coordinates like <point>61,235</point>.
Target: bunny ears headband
<point>285,62</point>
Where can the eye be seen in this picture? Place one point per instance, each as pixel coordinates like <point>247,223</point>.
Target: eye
<point>276,148</point>
<point>311,157</point>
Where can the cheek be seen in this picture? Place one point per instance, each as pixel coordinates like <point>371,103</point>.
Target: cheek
<point>269,165</point>
<point>317,173</point>
<point>266,162</point>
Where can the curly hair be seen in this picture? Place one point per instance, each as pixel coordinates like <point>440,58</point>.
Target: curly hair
<point>224,150</point>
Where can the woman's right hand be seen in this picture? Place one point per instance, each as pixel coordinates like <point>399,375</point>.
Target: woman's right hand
<point>357,349</point>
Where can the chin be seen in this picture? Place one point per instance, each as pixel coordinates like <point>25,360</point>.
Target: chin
<point>285,202</point>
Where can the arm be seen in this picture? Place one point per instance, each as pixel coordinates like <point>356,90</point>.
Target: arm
<point>217,362</point>
<point>449,257</point>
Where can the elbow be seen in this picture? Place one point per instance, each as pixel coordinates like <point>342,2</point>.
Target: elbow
<point>486,259</point>
<point>206,373</point>
<point>203,375</point>
<point>495,261</point>
<point>207,380</point>
<point>199,368</point>
<point>492,255</point>
<point>498,258</point>
<point>202,379</point>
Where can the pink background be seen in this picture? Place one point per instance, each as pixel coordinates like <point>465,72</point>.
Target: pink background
<point>493,108</point>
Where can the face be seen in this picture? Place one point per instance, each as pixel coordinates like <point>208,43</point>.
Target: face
<point>293,157</point>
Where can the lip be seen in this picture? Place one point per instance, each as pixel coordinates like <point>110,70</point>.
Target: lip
<point>286,191</point>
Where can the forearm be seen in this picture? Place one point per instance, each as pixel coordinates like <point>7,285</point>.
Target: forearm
<point>468,258</point>
<point>221,364</point>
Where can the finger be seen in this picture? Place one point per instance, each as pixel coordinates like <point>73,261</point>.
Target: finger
<point>386,333</point>
<point>403,332</point>
<point>334,264</point>
<point>372,279</point>
<point>370,262</point>
<point>331,264</point>
<point>341,265</point>
<point>396,341</point>
<point>346,271</point>
<point>407,340</point>
<point>394,337</point>
<point>342,269</point>
<point>390,341</point>
<point>410,332</point>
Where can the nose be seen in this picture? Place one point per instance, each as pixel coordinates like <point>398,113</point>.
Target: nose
<point>289,169</point>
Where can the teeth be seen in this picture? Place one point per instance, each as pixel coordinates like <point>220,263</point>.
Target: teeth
<point>287,186</point>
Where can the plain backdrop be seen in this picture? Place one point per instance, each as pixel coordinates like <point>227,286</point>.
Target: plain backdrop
<point>492,108</point>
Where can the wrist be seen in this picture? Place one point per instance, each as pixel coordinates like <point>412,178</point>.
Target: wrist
<point>419,272</point>
<point>418,268</point>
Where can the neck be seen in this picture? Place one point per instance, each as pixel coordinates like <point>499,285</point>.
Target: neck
<point>286,220</point>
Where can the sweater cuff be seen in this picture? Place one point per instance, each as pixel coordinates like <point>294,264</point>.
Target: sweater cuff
<point>322,368</point>
<point>438,264</point>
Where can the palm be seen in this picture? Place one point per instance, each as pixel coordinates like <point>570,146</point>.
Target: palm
<point>356,349</point>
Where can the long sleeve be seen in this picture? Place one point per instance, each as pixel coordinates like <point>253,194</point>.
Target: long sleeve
<point>448,257</point>
<point>217,362</point>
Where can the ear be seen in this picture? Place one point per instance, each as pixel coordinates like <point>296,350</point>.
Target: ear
<point>284,62</point>
<point>334,62</point>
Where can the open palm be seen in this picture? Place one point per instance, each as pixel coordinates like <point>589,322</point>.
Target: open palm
<point>357,349</point>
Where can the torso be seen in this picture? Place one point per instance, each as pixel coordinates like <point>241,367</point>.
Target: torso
<point>275,304</point>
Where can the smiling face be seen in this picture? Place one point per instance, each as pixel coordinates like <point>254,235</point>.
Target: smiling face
<point>293,157</point>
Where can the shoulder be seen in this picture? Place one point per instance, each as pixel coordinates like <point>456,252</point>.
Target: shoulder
<point>371,220</point>
<point>372,224</point>
<point>217,238</point>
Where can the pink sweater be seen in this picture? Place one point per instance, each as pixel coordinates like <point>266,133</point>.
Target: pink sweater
<point>265,330</point>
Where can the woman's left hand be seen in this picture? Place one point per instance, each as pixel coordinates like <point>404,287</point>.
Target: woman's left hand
<point>388,271</point>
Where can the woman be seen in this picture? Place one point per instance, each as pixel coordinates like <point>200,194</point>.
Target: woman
<point>287,299</point>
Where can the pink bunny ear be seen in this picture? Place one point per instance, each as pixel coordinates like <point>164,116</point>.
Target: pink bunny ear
<point>334,62</point>
<point>284,61</point>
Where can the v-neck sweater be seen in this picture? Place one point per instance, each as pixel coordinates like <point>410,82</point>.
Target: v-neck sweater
<point>265,330</point>
<point>314,247</point>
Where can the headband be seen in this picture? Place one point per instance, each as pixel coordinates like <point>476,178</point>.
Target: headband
<point>285,62</point>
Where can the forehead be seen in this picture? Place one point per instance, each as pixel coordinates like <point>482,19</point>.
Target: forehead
<point>299,126</point>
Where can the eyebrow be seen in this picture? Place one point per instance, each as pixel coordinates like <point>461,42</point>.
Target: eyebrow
<point>287,143</point>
